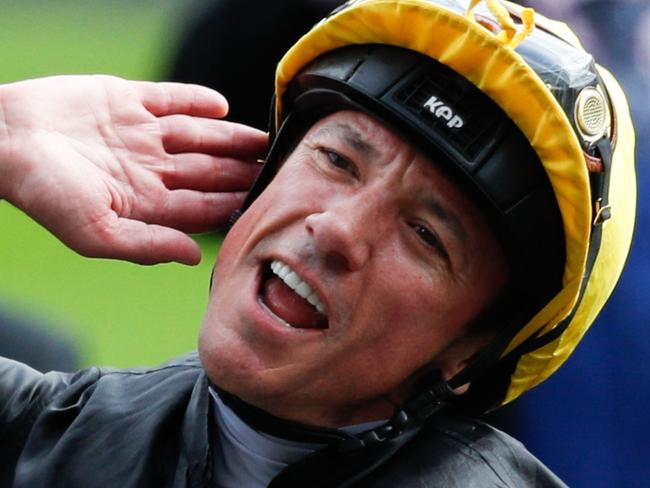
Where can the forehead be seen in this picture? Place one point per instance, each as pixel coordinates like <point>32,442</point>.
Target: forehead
<point>362,132</point>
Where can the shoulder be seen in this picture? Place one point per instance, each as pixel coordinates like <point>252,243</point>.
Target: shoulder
<point>101,415</point>
<point>26,393</point>
<point>130,387</point>
<point>188,364</point>
<point>456,451</point>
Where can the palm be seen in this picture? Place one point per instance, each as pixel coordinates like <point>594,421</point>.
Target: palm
<point>121,169</point>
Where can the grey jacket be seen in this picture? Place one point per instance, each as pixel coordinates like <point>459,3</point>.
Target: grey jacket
<point>151,428</point>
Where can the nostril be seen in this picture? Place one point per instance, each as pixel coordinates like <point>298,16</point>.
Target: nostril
<point>343,244</point>
<point>309,224</point>
<point>337,262</point>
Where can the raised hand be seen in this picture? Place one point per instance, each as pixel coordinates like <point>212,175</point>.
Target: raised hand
<point>123,169</point>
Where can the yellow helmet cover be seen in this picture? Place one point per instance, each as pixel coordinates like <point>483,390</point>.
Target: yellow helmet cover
<point>490,46</point>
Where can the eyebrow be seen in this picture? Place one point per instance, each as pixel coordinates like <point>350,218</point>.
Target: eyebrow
<point>353,138</point>
<point>448,217</point>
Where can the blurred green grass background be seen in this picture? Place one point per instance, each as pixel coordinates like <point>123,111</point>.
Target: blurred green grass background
<point>120,314</point>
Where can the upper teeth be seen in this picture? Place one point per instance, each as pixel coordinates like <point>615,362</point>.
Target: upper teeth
<point>293,281</point>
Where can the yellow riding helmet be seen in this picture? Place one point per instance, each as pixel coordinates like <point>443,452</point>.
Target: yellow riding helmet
<point>571,113</point>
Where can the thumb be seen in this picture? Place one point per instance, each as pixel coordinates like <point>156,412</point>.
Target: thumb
<point>138,242</point>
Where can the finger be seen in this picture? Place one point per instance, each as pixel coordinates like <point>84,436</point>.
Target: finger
<point>138,242</point>
<point>209,173</point>
<point>190,134</point>
<point>166,98</point>
<point>193,211</point>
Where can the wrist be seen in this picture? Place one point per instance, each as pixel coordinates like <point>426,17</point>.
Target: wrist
<point>4,150</point>
<point>8,161</point>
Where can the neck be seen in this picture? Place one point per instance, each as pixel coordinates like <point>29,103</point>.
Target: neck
<point>297,430</point>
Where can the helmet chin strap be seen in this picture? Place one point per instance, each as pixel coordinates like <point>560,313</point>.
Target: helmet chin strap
<point>343,463</point>
<point>346,458</point>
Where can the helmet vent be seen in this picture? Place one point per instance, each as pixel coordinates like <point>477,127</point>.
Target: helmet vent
<point>591,114</point>
<point>448,106</point>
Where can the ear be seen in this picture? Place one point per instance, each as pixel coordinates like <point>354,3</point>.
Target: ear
<point>448,363</point>
<point>457,355</point>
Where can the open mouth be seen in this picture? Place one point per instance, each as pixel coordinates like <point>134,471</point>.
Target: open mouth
<point>290,299</point>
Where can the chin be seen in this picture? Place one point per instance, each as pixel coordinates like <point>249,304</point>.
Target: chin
<point>223,361</point>
<point>233,365</point>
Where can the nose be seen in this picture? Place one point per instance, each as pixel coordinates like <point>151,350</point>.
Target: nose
<point>343,233</point>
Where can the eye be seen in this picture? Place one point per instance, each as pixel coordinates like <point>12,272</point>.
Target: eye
<point>430,238</point>
<point>340,162</point>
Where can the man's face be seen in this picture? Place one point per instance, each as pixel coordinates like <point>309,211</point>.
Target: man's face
<point>399,260</point>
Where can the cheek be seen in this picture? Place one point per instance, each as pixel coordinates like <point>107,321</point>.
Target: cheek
<point>227,254</point>
<point>291,193</point>
<point>254,224</point>
<point>419,312</point>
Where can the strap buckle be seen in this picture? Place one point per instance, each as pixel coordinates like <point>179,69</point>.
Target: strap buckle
<point>603,212</point>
